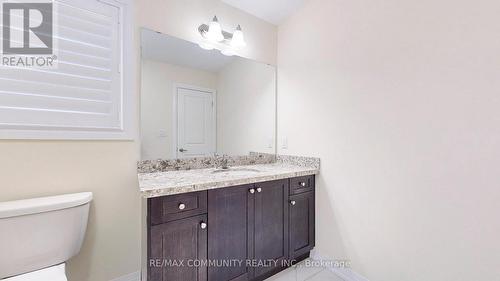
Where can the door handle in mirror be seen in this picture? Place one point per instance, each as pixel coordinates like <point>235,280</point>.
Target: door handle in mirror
<point>293,202</point>
<point>182,150</point>
<point>252,191</point>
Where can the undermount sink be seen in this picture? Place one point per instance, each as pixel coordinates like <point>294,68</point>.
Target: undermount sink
<point>232,170</point>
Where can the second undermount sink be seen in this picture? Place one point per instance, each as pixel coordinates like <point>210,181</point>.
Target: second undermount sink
<point>236,170</point>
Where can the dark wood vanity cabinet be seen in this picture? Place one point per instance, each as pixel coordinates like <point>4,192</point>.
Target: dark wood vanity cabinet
<point>230,231</point>
<point>301,224</point>
<point>301,216</point>
<point>270,227</point>
<point>173,245</point>
<point>244,226</point>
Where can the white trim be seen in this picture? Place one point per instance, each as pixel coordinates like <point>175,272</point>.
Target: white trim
<point>134,276</point>
<point>347,274</point>
<point>174,113</point>
<point>277,133</point>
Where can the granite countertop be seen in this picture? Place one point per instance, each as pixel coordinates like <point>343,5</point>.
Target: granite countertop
<point>183,181</point>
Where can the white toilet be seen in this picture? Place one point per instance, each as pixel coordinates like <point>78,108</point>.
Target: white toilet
<point>37,236</point>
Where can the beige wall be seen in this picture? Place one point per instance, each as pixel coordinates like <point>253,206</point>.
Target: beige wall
<point>246,107</point>
<point>181,18</point>
<point>112,247</point>
<point>157,92</point>
<point>400,99</point>
<point>42,168</point>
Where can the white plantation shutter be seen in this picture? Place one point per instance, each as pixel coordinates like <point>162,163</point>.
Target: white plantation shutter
<point>84,97</point>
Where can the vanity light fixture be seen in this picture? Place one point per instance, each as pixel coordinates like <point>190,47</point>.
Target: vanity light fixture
<point>214,37</point>
<point>238,40</point>
<point>214,32</point>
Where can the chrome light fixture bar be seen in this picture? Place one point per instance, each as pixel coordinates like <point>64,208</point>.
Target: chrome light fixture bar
<point>213,36</point>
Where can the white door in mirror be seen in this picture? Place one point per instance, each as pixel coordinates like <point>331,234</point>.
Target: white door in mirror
<point>195,122</point>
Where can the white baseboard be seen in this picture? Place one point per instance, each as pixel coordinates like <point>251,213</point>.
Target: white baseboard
<point>347,274</point>
<point>134,276</point>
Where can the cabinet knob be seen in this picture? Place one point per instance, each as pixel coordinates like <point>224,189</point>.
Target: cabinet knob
<point>293,202</point>
<point>203,225</point>
<point>259,189</point>
<point>303,184</point>
<point>182,206</point>
<point>252,191</point>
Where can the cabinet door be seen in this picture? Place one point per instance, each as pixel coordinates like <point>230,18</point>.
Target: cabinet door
<point>230,232</point>
<point>173,245</point>
<point>271,226</point>
<point>301,224</point>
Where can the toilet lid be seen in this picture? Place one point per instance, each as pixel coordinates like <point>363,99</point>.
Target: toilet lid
<point>53,273</point>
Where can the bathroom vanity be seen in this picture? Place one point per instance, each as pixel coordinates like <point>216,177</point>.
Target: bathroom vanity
<point>221,204</point>
<point>247,223</point>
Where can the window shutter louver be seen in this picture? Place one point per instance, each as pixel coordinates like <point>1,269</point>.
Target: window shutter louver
<point>85,93</point>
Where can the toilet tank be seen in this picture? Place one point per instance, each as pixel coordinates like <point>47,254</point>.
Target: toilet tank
<point>41,232</point>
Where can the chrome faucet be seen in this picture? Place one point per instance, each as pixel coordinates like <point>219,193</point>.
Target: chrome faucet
<point>221,161</point>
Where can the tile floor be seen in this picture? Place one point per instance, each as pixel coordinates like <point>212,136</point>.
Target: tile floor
<point>301,272</point>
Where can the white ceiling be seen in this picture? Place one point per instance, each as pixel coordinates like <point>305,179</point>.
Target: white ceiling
<point>172,50</point>
<point>273,11</point>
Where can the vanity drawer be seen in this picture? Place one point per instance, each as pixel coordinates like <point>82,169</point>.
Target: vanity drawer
<point>174,207</point>
<point>301,184</point>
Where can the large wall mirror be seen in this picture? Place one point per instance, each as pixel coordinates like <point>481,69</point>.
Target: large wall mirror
<point>197,103</point>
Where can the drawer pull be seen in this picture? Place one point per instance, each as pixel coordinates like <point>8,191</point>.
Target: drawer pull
<point>252,191</point>
<point>259,189</point>
<point>293,202</point>
<point>203,225</point>
<point>182,206</point>
<point>303,184</point>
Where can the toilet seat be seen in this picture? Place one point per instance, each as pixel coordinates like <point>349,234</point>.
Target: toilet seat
<point>53,273</point>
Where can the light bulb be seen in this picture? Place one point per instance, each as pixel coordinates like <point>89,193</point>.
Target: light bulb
<point>214,32</point>
<point>238,40</point>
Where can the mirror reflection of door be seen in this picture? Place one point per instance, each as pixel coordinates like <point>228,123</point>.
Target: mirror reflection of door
<point>179,82</point>
<point>196,128</point>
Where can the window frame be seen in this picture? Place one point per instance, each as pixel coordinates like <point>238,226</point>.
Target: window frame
<point>128,110</point>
